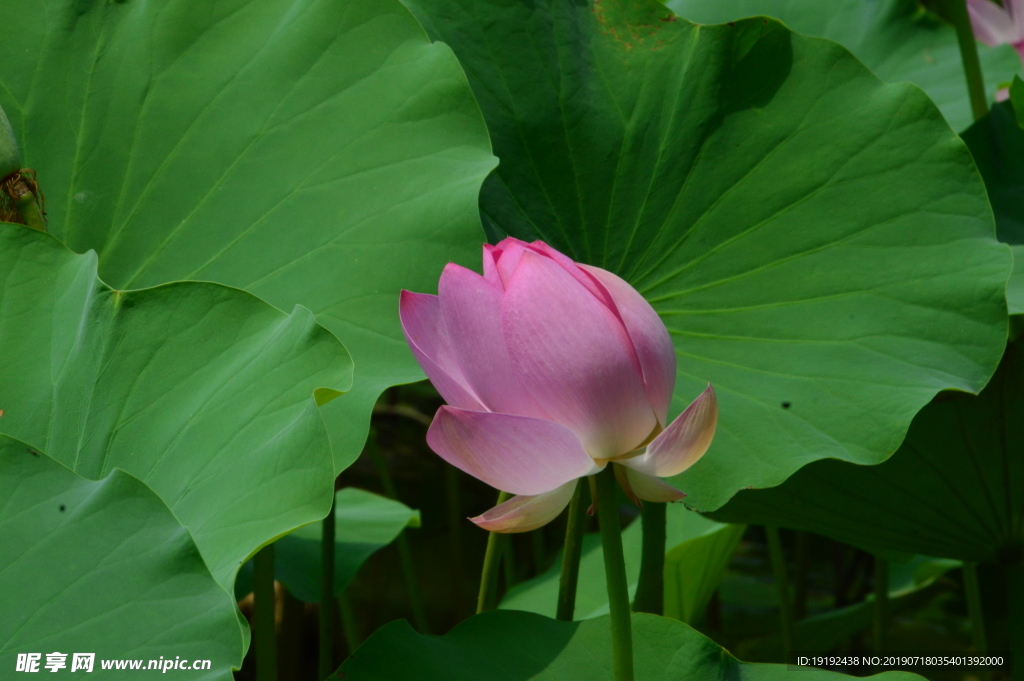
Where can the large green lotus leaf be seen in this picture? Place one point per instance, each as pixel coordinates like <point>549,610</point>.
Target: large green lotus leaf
<point>997,143</point>
<point>819,244</point>
<point>697,551</point>
<point>313,152</point>
<point>364,523</point>
<point>896,39</point>
<point>203,392</point>
<point>521,646</point>
<point>954,489</point>
<point>103,567</point>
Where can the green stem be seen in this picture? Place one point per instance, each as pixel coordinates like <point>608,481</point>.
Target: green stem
<point>419,614</point>
<point>289,641</point>
<point>615,573</point>
<point>577,521</point>
<point>508,559</point>
<point>264,634</point>
<point>782,586</point>
<point>537,550</point>
<point>802,578</point>
<point>1014,574</point>
<point>28,206</point>
<point>650,590</point>
<point>456,518</point>
<point>972,593</point>
<point>955,12</point>
<point>326,649</point>
<point>881,601</point>
<point>349,621</point>
<point>487,598</point>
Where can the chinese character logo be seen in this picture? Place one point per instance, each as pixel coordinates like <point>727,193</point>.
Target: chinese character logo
<point>28,662</point>
<point>55,661</point>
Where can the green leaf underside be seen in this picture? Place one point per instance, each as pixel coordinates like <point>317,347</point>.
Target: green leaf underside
<point>508,645</point>
<point>313,152</point>
<point>818,243</point>
<point>954,489</point>
<point>997,143</point>
<point>103,567</point>
<point>364,523</point>
<point>697,552</point>
<point>203,392</point>
<point>896,39</point>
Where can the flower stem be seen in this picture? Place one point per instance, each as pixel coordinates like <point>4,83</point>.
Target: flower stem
<point>650,590</point>
<point>509,564</point>
<point>1014,574</point>
<point>486,599</point>
<point>615,573</point>
<point>419,615</point>
<point>972,593</point>
<point>349,621</point>
<point>801,585</point>
<point>456,518</point>
<point>264,634</point>
<point>782,586</point>
<point>881,601</point>
<point>572,551</point>
<point>326,650</point>
<point>955,12</point>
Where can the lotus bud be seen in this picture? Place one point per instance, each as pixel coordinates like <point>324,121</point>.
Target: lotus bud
<point>551,370</point>
<point>21,200</point>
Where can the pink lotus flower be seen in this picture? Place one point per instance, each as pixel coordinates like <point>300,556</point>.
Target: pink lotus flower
<point>995,25</point>
<point>551,370</point>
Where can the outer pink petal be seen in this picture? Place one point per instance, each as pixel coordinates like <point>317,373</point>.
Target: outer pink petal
<point>471,311</point>
<point>650,338</point>
<point>640,486</point>
<point>575,358</point>
<point>576,270</point>
<point>685,440</point>
<point>992,24</point>
<point>491,256</point>
<point>524,513</point>
<point>421,323</point>
<point>518,454</point>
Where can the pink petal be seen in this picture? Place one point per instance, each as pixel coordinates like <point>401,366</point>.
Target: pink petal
<point>992,24</point>
<point>575,358</point>
<point>518,454</point>
<point>491,256</point>
<point>524,513</point>
<point>650,338</point>
<point>471,312</point>
<point>1016,9</point>
<point>511,251</point>
<point>640,486</point>
<point>421,323</point>
<point>577,272</point>
<point>681,444</point>
<point>515,248</point>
